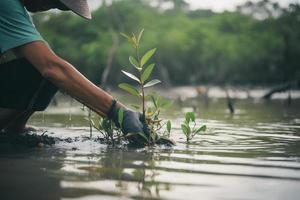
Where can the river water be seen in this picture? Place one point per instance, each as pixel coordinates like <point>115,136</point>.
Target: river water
<point>253,154</point>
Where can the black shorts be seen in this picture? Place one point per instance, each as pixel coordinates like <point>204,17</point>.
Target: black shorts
<point>23,88</point>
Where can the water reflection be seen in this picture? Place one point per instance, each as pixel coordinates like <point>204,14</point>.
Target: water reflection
<point>117,172</point>
<point>26,174</point>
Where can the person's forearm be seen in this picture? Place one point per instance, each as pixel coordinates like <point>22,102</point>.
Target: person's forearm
<point>66,77</point>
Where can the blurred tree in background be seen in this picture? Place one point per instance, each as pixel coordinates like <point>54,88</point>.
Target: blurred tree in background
<point>257,44</point>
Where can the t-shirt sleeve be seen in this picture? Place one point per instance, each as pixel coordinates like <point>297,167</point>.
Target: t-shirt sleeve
<point>16,27</point>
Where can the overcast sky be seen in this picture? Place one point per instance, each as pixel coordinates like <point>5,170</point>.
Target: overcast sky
<point>220,5</point>
<point>216,5</point>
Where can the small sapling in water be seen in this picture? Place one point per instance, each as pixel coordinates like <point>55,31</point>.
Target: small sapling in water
<point>143,71</point>
<point>189,127</point>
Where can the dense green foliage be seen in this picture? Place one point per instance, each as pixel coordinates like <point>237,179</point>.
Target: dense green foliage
<point>257,44</point>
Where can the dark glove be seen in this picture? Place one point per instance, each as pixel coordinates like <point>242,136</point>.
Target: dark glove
<point>132,124</point>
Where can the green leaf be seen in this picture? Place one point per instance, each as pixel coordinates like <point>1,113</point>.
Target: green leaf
<point>201,129</point>
<point>149,112</point>
<point>169,126</point>
<point>154,101</point>
<point>190,116</point>
<point>100,124</point>
<point>187,118</point>
<point>134,62</point>
<point>134,39</point>
<point>131,76</point>
<point>130,40</point>
<point>193,116</point>
<point>130,89</point>
<point>147,56</point>
<point>158,101</point>
<point>140,35</point>
<point>125,36</point>
<point>153,137</point>
<point>147,72</point>
<point>185,129</point>
<point>120,116</point>
<point>152,83</point>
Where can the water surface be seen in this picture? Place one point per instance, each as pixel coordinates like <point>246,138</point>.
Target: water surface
<point>254,154</point>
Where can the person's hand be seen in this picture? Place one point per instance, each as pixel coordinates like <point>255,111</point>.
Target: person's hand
<point>132,125</point>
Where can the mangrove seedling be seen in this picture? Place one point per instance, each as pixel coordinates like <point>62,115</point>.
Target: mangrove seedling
<point>143,72</point>
<point>107,128</point>
<point>189,127</point>
<point>153,116</point>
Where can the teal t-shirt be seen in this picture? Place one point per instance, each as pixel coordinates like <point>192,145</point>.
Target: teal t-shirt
<point>16,27</point>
